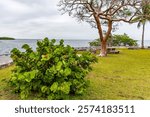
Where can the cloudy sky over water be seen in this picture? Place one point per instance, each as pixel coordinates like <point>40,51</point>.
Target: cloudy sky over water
<point>36,19</point>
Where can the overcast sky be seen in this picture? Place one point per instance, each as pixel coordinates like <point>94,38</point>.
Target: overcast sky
<point>35,19</point>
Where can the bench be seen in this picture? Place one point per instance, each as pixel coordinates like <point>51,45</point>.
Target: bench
<point>113,52</point>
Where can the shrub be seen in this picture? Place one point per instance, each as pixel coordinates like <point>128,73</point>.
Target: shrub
<point>124,40</point>
<point>51,72</point>
<point>116,40</point>
<point>95,42</point>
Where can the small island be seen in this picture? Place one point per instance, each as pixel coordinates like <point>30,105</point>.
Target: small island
<point>7,38</point>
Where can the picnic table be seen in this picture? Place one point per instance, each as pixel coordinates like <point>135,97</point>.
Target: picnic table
<point>112,50</point>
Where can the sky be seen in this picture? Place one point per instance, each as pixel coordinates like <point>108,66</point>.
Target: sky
<point>36,19</point>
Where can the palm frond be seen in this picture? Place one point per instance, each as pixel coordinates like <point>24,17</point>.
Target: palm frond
<point>136,19</point>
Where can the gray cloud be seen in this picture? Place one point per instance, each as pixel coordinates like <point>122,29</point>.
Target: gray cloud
<point>20,10</point>
<point>41,18</point>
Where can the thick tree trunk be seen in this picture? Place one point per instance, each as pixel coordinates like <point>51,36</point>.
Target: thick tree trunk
<point>143,31</point>
<point>103,51</point>
<point>102,37</point>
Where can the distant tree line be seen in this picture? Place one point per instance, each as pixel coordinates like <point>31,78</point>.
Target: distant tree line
<point>7,38</point>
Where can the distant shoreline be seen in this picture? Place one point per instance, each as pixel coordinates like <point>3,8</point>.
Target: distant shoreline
<point>7,38</point>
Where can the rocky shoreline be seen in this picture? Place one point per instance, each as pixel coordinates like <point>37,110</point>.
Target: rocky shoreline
<point>5,61</point>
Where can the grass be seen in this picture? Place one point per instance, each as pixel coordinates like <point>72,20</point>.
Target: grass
<point>6,92</point>
<point>117,76</point>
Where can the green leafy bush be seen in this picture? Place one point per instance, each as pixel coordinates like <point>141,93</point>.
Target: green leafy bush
<point>124,40</point>
<point>116,40</point>
<point>53,71</point>
<point>95,42</point>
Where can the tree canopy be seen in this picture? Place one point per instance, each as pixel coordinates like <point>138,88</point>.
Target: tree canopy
<point>116,40</point>
<point>99,12</point>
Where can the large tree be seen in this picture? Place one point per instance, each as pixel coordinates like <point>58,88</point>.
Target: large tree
<point>99,12</point>
<point>143,17</point>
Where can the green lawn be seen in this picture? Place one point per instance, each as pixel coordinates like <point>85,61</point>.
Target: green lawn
<point>117,76</point>
<point>5,90</point>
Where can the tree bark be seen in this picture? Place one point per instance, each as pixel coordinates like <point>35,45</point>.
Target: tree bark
<point>103,38</point>
<point>143,31</point>
<point>103,51</point>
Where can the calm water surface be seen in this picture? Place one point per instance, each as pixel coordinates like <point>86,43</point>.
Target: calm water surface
<point>7,45</point>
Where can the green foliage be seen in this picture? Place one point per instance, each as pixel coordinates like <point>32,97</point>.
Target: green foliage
<point>7,38</point>
<point>52,71</point>
<point>96,42</point>
<point>116,40</point>
<point>124,40</point>
<point>144,15</point>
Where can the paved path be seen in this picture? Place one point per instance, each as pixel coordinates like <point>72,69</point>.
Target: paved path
<point>5,61</point>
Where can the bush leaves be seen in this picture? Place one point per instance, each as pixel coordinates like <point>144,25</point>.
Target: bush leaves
<point>53,71</point>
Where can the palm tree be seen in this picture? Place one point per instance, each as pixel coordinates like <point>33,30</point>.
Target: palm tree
<point>143,18</point>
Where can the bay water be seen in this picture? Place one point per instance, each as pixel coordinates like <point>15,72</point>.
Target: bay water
<point>7,45</point>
